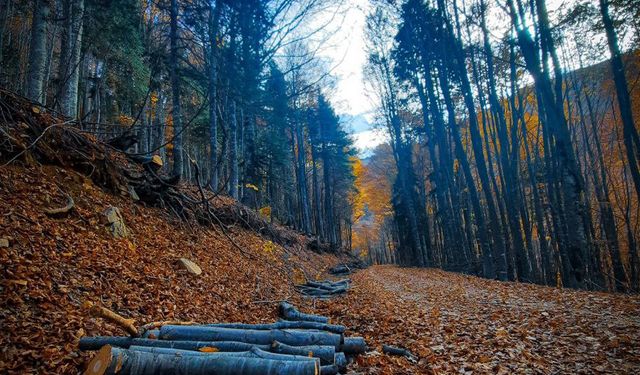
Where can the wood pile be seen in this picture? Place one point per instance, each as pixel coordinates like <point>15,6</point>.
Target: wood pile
<point>299,344</point>
<point>347,268</point>
<point>324,289</point>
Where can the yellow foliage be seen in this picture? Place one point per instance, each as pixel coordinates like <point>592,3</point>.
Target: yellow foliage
<point>251,186</point>
<point>156,159</point>
<point>125,120</point>
<point>372,200</point>
<point>265,212</point>
<point>268,247</point>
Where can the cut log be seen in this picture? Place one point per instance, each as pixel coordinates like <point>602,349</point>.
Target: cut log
<point>342,281</point>
<point>340,269</point>
<point>323,289</point>
<point>340,360</point>
<point>327,354</point>
<point>394,350</point>
<point>174,351</point>
<point>283,324</point>
<point>251,336</point>
<point>309,290</point>
<point>258,353</point>
<point>253,353</point>
<point>289,312</point>
<point>354,345</point>
<point>97,342</point>
<point>330,286</point>
<point>329,370</point>
<point>131,362</point>
<point>100,362</point>
<point>154,325</point>
<point>151,334</point>
<point>102,312</point>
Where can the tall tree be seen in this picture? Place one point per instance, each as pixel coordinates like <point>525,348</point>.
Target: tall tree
<point>71,56</point>
<point>38,50</point>
<point>176,114</point>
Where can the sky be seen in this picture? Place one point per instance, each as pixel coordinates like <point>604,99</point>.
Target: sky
<point>347,51</point>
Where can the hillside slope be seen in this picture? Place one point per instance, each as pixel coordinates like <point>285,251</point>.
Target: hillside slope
<point>53,265</point>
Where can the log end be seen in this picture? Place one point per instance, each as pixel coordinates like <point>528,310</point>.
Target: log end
<point>354,345</point>
<point>100,362</point>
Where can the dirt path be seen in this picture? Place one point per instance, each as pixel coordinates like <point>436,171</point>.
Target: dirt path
<point>462,324</point>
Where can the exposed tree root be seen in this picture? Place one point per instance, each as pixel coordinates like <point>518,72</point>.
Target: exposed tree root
<point>33,133</point>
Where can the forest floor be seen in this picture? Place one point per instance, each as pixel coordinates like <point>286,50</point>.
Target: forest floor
<point>468,325</point>
<point>50,266</point>
<point>453,323</point>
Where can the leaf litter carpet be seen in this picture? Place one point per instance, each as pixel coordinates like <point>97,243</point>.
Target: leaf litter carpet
<point>459,324</point>
<point>53,265</point>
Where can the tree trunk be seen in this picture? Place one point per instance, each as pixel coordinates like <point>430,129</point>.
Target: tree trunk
<point>567,178</point>
<point>303,193</point>
<point>485,242</point>
<point>38,51</point>
<point>329,217</point>
<point>71,80</point>
<point>631,139</point>
<point>214,17</point>
<point>509,164</point>
<point>175,90</point>
<point>320,230</point>
<point>476,143</point>
<point>233,150</point>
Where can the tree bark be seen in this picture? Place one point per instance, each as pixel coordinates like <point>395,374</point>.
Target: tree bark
<point>566,176</point>
<point>214,19</point>
<point>38,51</point>
<point>130,362</point>
<point>178,166</point>
<point>264,337</point>
<point>289,312</point>
<point>71,79</point>
<point>631,139</point>
<point>233,150</point>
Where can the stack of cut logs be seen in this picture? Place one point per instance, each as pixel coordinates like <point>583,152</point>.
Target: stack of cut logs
<point>300,344</point>
<point>347,268</point>
<point>324,289</point>
<point>340,269</point>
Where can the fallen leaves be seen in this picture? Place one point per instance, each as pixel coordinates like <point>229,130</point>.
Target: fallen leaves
<point>467,325</point>
<point>52,266</point>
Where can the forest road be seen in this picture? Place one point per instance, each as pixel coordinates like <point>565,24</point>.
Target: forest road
<point>463,324</point>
